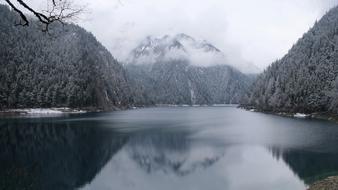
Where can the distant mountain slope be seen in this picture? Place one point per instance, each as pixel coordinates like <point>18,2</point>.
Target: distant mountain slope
<point>66,68</point>
<point>184,48</point>
<point>306,79</point>
<point>178,82</point>
<point>182,70</point>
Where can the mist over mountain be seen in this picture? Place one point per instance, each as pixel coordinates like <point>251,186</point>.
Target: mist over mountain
<point>304,80</point>
<point>70,68</point>
<point>167,71</point>
<point>182,47</point>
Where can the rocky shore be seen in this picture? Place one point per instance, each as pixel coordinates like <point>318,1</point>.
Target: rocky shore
<point>330,183</point>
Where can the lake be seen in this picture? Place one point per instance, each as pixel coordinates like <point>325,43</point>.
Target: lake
<point>180,148</point>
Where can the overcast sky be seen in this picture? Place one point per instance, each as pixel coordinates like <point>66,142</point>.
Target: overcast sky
<point>259,31</point>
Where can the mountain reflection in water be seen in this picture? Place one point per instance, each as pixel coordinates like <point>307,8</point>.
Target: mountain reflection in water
<point>49,154</point>
<point>166,148</point>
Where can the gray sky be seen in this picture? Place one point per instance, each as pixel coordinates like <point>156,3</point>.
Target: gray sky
<point>259,31</point>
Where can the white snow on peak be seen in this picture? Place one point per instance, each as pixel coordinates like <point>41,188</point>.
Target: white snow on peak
<point>197,52</point>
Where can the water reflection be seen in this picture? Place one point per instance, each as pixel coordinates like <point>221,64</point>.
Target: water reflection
<point>48,154</point>
<point>174,149</point>
<point>309,165</point>
<point>171,151</point>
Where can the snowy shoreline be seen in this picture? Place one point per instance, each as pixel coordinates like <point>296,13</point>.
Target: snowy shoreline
<point>301,115</point>
<point>66,110</point>
<point>42,111</point>
<point>320,115</point>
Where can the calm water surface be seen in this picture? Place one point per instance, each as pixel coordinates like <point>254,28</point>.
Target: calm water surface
<point>192,148</point>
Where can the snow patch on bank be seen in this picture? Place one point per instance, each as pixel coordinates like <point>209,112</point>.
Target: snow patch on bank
<point>45,111</point>
<point>41,111</point>
<point>300,115</point>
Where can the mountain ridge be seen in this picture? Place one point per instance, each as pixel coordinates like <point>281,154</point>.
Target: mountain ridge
<point>66,68</point>
<point>305,79</point>
<point>182,47</point>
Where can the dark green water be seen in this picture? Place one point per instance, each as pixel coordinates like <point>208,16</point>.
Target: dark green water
<point>205,148</point>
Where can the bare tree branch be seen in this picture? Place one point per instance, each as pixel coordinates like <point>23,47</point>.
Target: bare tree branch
<point>23,17</point>
<point>56,11</point>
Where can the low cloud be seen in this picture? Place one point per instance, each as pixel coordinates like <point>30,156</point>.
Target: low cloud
<point>254,31</point>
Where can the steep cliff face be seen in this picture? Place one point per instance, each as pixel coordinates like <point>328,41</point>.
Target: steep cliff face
<point>67,67</point>
<point>306,79</point>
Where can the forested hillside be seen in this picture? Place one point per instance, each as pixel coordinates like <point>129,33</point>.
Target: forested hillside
<point>182,70</point>
<point>66,67</point>
<point>178,82</point>
<point>306,79</point>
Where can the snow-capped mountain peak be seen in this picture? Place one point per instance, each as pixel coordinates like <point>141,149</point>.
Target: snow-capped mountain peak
<point>184,48</point>
<point>153,48</point>
<point>178,47</point>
